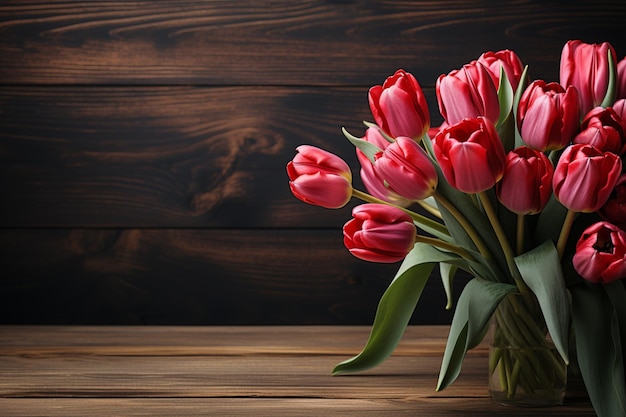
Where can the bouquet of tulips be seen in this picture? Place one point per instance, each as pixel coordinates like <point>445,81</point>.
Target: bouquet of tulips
<point>521,186</point>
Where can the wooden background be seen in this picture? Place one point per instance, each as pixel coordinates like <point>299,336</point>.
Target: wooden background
<point>143,147</point>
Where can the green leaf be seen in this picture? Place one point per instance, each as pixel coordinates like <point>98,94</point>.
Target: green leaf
<point>396,307</point>
<point>369,149</point>
<point>609,97</point>
<point>447,272</point>
<point>523,83</point>
<point>541,271</point>
<point>474,309</point>
<point>505,97</point>
<point>599,349</point>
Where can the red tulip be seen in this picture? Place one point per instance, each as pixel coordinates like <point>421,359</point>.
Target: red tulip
<point>621,79</point>
<point>548,115</point>
<point>601,253</point>
<point>374,184</point>
<point>319,177</point>
<point>586,67</point>
<point>506,60</point>
<point>620,108</point>
<point>584,177</point>
<point>467,93</point>
<point>470,154</point>
<point>379,233</point>
<point>407,170</point>
<point>604,129</point>
<point>526,184</point>
<point>399,106</point>
<point>614,210</point>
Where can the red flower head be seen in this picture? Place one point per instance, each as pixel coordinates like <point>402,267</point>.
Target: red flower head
<point>319,177</point>
<point>548,115</point>
<point>399,106</point>
<point>470,154</point>
<point>526,185</point>
<point>601,253</point>
<point>584,177</point>
<point>586,67</point>
<point>467,93</point>
<point>379,233</point>
<point>407,170</point>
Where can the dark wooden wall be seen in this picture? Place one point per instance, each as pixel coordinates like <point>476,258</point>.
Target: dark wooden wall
<point>143,147</point>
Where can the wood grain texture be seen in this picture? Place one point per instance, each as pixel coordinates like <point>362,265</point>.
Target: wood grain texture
<point>193,276</point>
<point>238,371</point>
<point>167,156</point>
<point>143,147</point>
<point>312,42</point>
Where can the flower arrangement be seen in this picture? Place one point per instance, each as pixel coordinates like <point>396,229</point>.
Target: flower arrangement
<point>523,187</point>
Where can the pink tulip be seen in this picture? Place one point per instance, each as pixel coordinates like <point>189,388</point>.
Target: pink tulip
<point>506,60</point>
<point>373,183</point>
<point>399,106</point>
<point>586,67</point>
<point>379,233</point>
<point>601,253</point>
<point>621,79</point>
<point>620,108</point>
<point>604,129</point>
<point>470,154</point>
<point>526,184</point>
<point>467,93</point>
<point>407,170</point>
<point>584,177</point>
<point>320,178</point>
<point>548,115</point>
<point>614,210</point>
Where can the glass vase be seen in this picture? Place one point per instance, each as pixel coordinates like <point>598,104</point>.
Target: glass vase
<point>525,369</point>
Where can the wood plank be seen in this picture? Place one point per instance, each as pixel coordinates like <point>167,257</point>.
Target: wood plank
<point>283,43</point>
<point>277,407</point>
<point>45,341</point>
<point>271,370</point>
<point>167,156</point>
<point>193,276</point>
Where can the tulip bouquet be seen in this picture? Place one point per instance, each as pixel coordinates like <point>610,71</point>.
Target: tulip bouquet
<point>522,187</point>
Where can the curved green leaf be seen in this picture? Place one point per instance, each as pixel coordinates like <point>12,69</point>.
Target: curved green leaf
<point>447,272</point>
<point>476,304</point>
<point>541,271</point>
<point>599,349</point>
<point>609,97</point>
<point>396,307</point>
<point>369,149</point>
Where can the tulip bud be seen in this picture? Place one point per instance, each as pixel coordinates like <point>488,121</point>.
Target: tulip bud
<point>548,115</point>
<point>470,154</point>
<point>614,210</point>
<point>374,184</point>
<point>506,60</point>
<point>584,177</point>
<point>526,184</point>
<point>467,93</point>
<point>586,67</point>
<point>399,106</point>
<point>601,253</point>
<point>604,129</point>
<point>379,233</point>
<point>320,178</point>
<point>407,170</point>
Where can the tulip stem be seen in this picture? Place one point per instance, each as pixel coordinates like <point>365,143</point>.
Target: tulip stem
<point>418,218</point>
<point>565,229</point>
<point>445,246</point>
<point>504,242</point>
<point>430,209</point>
<point>521,220</point>
<point>469,227</point>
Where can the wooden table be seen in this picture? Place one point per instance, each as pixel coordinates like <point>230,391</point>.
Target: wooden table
<point>236,371</point>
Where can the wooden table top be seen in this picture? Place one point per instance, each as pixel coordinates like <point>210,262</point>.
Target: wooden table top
<point>237,371</point>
